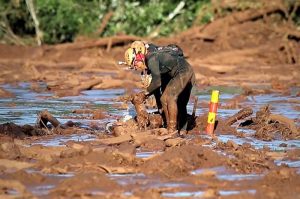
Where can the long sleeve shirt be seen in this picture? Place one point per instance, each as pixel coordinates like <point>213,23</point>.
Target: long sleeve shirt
<point>161,62</point>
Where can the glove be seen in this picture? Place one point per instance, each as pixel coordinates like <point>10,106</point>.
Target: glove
<point>146,80</point>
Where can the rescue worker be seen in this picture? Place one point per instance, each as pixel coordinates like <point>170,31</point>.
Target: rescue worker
<point>145,48</point>
<point>172,79</point>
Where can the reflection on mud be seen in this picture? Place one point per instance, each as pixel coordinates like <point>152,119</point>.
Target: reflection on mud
<point>59,140</point>
<point>203,193</point>
<point>222,173</point>
<point>23,109</point>
<point>146,154</point>
<point>42,190</point>
<point>290,163</point>
<point>274,145</point>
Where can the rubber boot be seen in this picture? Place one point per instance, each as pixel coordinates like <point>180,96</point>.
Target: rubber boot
<point>165,110</point>
<point>172,123</point>
<point>172,126</point>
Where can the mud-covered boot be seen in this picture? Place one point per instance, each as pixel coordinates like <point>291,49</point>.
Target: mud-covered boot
<point>172,127</point>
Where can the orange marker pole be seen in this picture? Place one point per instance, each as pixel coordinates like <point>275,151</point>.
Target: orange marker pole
<point>213,107</point>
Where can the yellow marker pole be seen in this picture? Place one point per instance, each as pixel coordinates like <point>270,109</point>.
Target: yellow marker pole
<point>213,107</point>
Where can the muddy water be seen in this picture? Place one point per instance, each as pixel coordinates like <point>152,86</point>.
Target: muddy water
<point>23,109</point>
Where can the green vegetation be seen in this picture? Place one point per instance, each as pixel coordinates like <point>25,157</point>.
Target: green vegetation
<point>63,20</point>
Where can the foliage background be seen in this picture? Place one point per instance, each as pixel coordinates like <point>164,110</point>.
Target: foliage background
<point>62,20</point>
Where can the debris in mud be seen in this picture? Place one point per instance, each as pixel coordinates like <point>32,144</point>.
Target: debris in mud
<point>242,114</point>
<point>14,130</point>
<point>41,128</point>
<point>44,117</point>
<point>270,126</point>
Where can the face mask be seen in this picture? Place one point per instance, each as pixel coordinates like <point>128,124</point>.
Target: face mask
<point>139,58</point>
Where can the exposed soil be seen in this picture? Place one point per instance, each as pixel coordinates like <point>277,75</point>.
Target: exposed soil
<point>255,51</point>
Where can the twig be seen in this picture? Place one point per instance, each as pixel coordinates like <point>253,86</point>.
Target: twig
<point>41,121</point>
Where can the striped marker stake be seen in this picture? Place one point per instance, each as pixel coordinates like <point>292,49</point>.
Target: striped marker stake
<point>213,107</point>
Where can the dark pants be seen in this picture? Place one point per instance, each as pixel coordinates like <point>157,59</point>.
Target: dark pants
<point>175,96</point>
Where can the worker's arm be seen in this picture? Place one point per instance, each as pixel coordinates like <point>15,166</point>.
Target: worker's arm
<point>153,66</point>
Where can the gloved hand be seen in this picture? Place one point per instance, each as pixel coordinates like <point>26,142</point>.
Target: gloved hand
<point>146,80</point>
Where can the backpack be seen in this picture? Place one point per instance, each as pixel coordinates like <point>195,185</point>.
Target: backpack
<point>171,48</point>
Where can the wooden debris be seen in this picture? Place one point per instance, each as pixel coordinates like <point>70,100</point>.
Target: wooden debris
<point>103,42</point>
<point>290,124</point>
<point>242,114</point>
<point>116,140</point>
<point>45,117</point>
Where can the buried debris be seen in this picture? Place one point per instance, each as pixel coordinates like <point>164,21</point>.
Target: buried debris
<point>14,130</point>
<point>268,126</point>
<point>44,117</point>
<point>242,114</point>
<point>41,127</point>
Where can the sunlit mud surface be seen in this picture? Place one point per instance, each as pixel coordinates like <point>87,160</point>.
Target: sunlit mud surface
<point>53,176</point>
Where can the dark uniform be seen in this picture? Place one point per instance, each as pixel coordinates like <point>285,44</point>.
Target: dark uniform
<point>172,81</point>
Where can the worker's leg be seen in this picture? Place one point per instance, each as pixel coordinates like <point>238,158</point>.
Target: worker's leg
<point>170,96</point>
<point>187,80</point>
<point>182,102</point>
<point>169,101</point>
<point>165,79</point>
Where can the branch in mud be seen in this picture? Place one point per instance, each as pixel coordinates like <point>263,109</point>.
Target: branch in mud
<point>242,114</point>
<point>285,121</point>
<point>270,126</point>
<point>44,117</point>
<point>213,29</point>
<point>103,42</point>
<point>41,127</point>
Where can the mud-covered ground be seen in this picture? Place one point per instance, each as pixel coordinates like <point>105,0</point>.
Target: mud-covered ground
<point>88,144</point>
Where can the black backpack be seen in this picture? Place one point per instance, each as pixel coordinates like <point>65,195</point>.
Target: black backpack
<point>171,48</point>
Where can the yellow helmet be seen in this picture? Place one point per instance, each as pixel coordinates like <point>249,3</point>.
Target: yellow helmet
<point>139,47</point>
<point>129,56</point>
